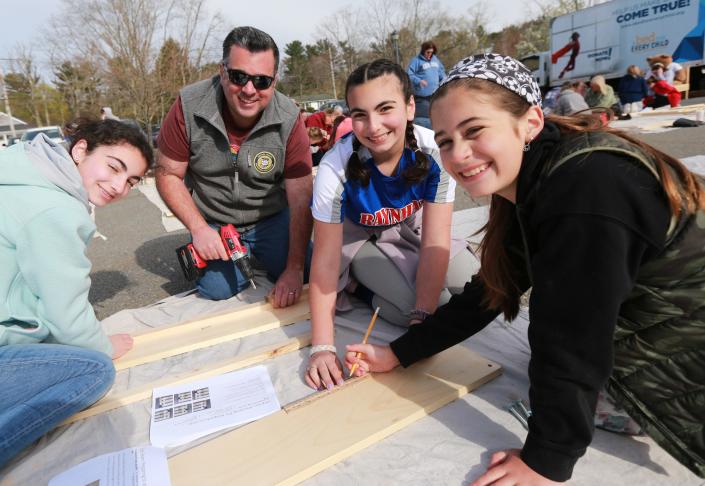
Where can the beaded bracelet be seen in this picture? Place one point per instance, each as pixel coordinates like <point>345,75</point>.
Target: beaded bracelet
<point>317,348</point>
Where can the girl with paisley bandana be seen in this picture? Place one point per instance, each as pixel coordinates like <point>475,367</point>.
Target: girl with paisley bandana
<point>608,233</point>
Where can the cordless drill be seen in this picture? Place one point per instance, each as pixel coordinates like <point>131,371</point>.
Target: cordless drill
<point>193,264</point>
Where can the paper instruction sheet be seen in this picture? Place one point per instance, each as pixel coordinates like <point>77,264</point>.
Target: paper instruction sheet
<point>185,412</point>
<point>138,466</point>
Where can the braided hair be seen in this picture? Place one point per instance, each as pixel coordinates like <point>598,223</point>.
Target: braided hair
<point>356,170</point>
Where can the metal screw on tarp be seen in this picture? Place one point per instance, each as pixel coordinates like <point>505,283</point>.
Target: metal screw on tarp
<point>520,412</point>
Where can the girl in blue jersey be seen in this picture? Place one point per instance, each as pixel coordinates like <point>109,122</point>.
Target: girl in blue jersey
<point>374,192</point>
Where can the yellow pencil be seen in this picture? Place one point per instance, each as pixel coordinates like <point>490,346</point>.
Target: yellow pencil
<point>364,340</point>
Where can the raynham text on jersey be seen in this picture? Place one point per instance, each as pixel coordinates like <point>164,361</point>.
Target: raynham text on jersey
<point>388,216</point>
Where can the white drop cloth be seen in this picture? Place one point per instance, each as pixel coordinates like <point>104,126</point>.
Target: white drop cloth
<point>451,446</point>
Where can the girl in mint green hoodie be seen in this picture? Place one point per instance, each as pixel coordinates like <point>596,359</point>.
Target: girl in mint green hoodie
<point>54,355</point>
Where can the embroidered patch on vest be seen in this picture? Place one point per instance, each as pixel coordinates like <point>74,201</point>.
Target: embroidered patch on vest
<point>264,162</point>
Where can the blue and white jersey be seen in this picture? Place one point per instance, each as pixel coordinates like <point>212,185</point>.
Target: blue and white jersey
<point>386,200</point>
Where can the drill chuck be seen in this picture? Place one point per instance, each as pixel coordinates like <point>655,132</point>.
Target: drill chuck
<point>243,264</point>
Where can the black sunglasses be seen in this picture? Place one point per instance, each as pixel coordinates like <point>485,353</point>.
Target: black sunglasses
<point>241,78</point>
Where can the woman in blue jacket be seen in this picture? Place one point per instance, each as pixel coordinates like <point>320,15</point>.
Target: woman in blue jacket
<point>426,72</point>
<point>54,356</point>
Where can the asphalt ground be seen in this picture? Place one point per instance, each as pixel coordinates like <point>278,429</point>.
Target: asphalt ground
<point>136,265</point>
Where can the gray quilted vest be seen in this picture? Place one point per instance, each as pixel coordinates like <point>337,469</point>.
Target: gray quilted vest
<point>659,342</point>
<point>245,190</point>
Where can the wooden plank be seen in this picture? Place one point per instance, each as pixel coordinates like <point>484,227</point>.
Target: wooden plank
<point>200,333</point>
<point>681,110</point>
<point>287,448</point>
<point>144,392</point>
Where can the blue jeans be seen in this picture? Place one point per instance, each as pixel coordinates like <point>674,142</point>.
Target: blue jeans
<point>423,121</point>
<point>268,242</point>
<point>422,116</point>
<point>43,384</point>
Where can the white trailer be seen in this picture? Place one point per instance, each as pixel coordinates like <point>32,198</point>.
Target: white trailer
<point>609,37</point>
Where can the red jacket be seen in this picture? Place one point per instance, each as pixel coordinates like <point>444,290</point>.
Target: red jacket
<point>319,120</point>
<point>664,88</point>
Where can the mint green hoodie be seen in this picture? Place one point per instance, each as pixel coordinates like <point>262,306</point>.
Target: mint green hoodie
<point>45,226</point>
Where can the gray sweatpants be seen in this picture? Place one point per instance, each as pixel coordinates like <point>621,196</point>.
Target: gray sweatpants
<point>393,294</point>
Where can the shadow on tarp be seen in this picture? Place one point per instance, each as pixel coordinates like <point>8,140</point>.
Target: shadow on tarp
<point>471,424</point>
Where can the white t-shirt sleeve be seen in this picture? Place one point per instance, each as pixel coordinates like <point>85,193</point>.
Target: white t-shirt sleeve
<point>329,188</point>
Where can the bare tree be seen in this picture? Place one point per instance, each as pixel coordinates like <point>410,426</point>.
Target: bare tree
<point>536,33</point>
<point>343,29</point>
<point>118,35</point>
<point>125,38</point>
<point>198,33</point>
<point>422,20</point>
<point>28,81</point>
<point>464,36</point>
<point>363,33</point>
<point>79,84</point>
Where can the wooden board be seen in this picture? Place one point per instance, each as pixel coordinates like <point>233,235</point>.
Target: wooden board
<point>188,336</point>
<point>287,448</point>
<point>681,110</point>
<point>144,392</point>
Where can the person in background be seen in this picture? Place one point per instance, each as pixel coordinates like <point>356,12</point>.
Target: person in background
<point>304,114</point>
<point>317,135</point>
<point>55,359</point>
<point>233,150</point>
<point>608,233</point>
<point>571,99</point>
<point>550,100</point>
<point>324,121</point>
<point>426,72</point>
<point>601,94</point>
<point>341,127</point>
<point>665,94</point>
<point>632,90</point>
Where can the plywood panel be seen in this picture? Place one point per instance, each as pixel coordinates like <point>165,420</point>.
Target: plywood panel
<point>188,336</point>
<point>288,447</point>
<point>145,391</point>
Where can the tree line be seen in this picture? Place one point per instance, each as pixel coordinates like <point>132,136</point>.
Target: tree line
<point>135,55</point>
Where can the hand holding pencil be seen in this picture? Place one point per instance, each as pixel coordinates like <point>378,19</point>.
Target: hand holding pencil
<point>363,358</point>
<point>364,340</point>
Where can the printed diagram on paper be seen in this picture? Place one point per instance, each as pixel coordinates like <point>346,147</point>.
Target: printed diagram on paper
<point>186,412</point>
<point>172,406</point>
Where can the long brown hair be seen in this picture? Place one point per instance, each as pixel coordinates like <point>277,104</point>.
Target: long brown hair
<point>682,189</point>
<point>355,170</point>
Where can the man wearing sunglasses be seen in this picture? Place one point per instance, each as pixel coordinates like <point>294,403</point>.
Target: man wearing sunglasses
<point>234,150</point>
